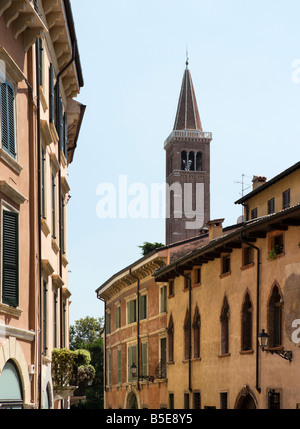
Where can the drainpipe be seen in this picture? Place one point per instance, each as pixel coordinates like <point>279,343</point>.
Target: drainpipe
<point>38,116</point>
<point>59,182</point>
<point>190,328</point>
<point>257,306</point>
<point>138,326</point>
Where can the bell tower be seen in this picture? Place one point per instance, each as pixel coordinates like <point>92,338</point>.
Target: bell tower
<point>187,169</point>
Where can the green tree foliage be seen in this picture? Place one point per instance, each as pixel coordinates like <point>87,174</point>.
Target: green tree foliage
<point>86,334</point>
<point>148,247</point>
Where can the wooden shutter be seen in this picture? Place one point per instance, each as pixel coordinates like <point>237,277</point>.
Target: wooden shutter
<point>119,352</point>
<point>65,136</point>
<point>39,60</point>
<point>8,118</point>
<point>51,94</point>
<point>44,318</point>
<point>144,358</point>
<point>10,288</point>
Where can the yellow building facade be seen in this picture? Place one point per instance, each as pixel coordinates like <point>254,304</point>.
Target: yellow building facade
<point>224,293</point>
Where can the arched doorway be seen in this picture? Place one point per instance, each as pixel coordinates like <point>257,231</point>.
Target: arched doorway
<point>11,396</point>
<point>245,400</point>
<point>132,403</point>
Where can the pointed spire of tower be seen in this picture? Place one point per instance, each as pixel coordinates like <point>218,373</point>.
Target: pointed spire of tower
<point>187,117</point>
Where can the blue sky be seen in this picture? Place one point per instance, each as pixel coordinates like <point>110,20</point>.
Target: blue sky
<point>243,60</point>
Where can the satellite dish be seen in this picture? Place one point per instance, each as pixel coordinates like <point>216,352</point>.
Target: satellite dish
<point>240,219</point>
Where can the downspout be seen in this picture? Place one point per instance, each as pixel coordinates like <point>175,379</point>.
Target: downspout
<point>190,328</point>
<point>138,326</point>
<point>257,306</point>
<point>59,184</point>
<point>38,116</point>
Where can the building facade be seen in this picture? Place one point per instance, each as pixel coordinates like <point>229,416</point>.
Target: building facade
<point>40,75</point>
<point>243,282</point>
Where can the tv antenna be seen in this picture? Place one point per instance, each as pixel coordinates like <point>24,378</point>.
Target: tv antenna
<point>244,186</point>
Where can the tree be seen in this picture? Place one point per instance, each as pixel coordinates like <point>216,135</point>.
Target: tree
<point>148,247</point>
<point>86,334</point>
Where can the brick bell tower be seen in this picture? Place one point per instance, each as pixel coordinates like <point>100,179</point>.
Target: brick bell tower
<point>187,169</point>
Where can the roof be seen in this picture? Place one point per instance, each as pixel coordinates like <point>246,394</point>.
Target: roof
<point>231,239</point>
<point>269,183</point>
<point>187,117</point>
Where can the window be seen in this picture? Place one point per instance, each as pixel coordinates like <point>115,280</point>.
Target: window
<point>10,258</point>
<point>163,358</point>
<point>223,400</point>
<point>199,161</point>
<point>45,298</point>
<point>171,288</point>
<point>131,311</point>
<point>276,244</point>
<point>247,315</point>
<point>271,206</point>
<point>196,401</point>
<point>225,327</point>
<point>187,280</point>
<point>286,199</point>
<point>53,207</point>
<point>51,95</point>
<point>247,256</point>
<point>275,318</point>
<point>144,350</point>
<point>107,323</point>
<point>118,317</point>
<point>43,188</point>
<point>7,110</point>
<point>132,358</point>
<point>254,213</point>
<point>197,276</point>
<point>184,165</point>
<point>119,362</point>
<point>273,400</point>
<point>196,333</point>
<point>143,307</point>
<point>186,330</point>
<point>171,339</point>
<point>109,367</point>
<point>186,401</point>
<point>171,401</point>
<point>163,299</point>
<point>63,245</point>
<point>225,264</point>
<point>55,319</point>
<point>191,161</point>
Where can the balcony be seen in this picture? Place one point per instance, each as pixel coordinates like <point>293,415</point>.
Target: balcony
<point>188,134</point>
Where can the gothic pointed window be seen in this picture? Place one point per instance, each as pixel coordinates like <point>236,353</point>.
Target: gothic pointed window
<point>199,161</point>
<point>196,333</point>
<point>184,163</point>
<point>186,330</point>
<point>247,317</point>
<point>171,339</point>
<point>275,318</point>
<point>225,327</point>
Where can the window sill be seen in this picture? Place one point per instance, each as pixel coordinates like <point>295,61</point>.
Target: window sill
<point>11,311</point>
<point>223,275</point>
<point>246,267</point>
<point>280,255</point>
<point>10,161</point>
<point>171,296</point>
<point>246,352</point>
<point>197,285</point>
<point>224,355</point>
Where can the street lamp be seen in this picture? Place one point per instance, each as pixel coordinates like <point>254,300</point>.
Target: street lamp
<point>263,339</point>
<point>133,370</point>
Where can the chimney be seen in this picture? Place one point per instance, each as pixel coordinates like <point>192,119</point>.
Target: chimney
<point>215,228</point>
<point>258,181</point>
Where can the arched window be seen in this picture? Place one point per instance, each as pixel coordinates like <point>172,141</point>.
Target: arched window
<point>184,163</point>
<point>191,161</point>
<point>196,333</point>
<point>247,317</point>
<point>186,330</point>
<point>225,327</point>
<point>171,339</point>
<point>11,396</point>
<point>275,318</point>
<point>199,161</point>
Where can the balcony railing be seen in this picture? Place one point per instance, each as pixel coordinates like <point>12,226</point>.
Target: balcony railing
<point>188,134</point>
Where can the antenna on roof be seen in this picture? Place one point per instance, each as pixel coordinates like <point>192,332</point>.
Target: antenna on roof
<point>243,184</point>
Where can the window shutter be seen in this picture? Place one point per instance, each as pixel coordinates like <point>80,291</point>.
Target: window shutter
<point>39,60</point>
<point>10,259</point>
<point>51,94</point>
<point>8,118</point>
<point>60,123</point>
<point>45,318</point>
<point>119,366</point>
<point>144,358</point>
<point>65,136</point>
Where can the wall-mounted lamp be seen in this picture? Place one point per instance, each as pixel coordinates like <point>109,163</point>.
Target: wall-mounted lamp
<point>133,370</point>
<point>263,339</point>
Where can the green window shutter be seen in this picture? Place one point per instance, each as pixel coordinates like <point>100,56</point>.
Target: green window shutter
<point>119,366</point>
<point>44,318</point>
<point>131,311</point>
<point>53,208</point>
<point>65,136</point>
<point>144,358</point>
<point>60,122</point>
<point>10,290</point>
<point>63,225</point>
<point>51,94</point>
<point>143,307</point>
<point>55,320</point>
<point>39,60</point>
<point>8,118</point>
<point>132,358</point>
